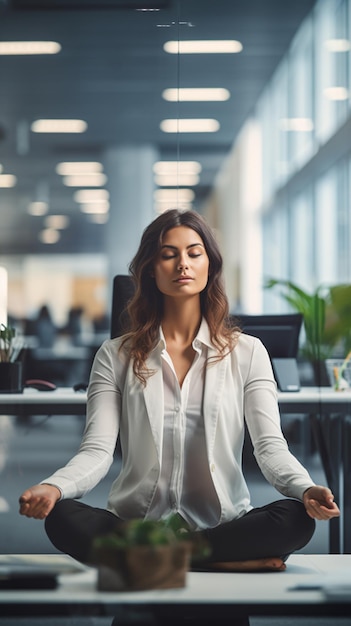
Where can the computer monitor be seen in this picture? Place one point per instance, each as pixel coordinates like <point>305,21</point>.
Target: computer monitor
<point>279,333</point>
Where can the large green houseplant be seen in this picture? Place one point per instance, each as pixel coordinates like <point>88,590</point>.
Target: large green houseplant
<point>326,314</point>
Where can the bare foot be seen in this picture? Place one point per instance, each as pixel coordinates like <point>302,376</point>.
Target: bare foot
<point>273,564</point>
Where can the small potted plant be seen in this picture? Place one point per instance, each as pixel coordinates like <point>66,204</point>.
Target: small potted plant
<point>10,366</point>
<point>144,554</point>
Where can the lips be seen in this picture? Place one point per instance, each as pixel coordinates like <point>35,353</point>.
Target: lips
<point>183,279</point>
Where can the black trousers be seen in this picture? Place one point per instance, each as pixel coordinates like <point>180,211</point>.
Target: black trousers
<point>274,530</point>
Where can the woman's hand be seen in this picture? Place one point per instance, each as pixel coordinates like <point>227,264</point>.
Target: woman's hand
<point>39,500</point>
<point>319,503</point>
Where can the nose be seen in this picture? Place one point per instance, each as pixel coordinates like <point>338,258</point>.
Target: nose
<point>182,265</point>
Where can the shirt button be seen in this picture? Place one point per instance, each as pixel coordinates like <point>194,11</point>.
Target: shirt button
<point>177,409</point>
<point>212,467</point>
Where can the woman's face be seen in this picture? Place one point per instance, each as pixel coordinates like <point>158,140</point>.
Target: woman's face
<point>181,267</point>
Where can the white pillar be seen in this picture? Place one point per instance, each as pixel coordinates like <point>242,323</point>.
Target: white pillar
<point>131,186</point>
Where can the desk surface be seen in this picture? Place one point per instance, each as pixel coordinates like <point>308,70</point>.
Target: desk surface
<point>69,396</point>
<point>66,401</point>
<point>308,586</point>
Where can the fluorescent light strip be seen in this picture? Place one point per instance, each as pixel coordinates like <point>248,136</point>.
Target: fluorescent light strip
<point>175,180</point>
<point>7,180</point>
<point>338,45</point>
<point>91,195</point>
<point>98,218</point>
<point>56,222</point>
<point>38,208</point>
<point>219,46</point>
<point>29,47</point>
<point>59,126</point>
<point>170,195</point>
<point>85,180</point>
<point>189,125</point>
<point>215,94</point>
<point>68,168</point>
<point>99,208</point>
<point>49,236</point>
<point>302,124</point>
<point>177,167</point>
<point>336,93</point>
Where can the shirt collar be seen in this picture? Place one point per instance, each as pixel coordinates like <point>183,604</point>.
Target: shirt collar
<point>203,336</point>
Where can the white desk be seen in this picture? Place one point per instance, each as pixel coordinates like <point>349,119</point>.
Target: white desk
<point>328,411</point>
<point>302,589</point>
<point>66,401</point>
<point>61,401</point>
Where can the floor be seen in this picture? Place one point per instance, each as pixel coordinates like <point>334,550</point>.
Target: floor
<point>31,449</point>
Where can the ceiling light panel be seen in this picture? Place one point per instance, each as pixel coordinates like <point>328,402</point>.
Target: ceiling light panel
<point>7,180</point>
<point>85,180</point>
<point>177,167</point>
<point>301,124</point>
<point>37,208</point>
<point>91,195</point>
<point>59,126</point>
<point>57,222</point>
<point>338,45</point>
<point>336,93</point>
<point>98,218</point>
<point>220,46</point>
<point>189,125</point>
<point>175,180</point>
<point>98,208</point>
<point>68,168</point>
<point>49,236</point>
<point>169,195</point>
<point>29,47</point>
<point>215,94</point>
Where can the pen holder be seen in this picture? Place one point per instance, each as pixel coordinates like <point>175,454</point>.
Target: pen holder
<point>11,377</point>
<point>339,378</point>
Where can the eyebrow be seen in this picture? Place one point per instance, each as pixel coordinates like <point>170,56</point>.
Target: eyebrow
<point>192,245</point>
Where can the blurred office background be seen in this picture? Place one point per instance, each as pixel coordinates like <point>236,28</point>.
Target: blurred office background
<point>113,111</point>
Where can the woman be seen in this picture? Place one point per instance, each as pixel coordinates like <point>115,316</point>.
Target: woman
<point>177,390</point>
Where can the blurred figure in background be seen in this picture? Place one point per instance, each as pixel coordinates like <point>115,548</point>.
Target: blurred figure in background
<point>44,328</point>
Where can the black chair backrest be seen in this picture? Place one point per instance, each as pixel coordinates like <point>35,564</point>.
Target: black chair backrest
<point>122,292</point>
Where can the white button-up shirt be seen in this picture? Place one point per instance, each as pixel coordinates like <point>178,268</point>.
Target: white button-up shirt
<point>206,483</point>
<point>185,484</point>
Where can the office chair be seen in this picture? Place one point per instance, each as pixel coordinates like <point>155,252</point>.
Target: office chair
<point>122,291</point>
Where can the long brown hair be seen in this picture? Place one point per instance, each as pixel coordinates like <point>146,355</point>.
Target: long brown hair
<point>145,309</point>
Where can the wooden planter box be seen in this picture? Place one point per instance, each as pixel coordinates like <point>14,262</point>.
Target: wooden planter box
<point>143,567</point>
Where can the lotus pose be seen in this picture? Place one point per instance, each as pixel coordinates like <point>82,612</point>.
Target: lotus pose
<point>177,391</point>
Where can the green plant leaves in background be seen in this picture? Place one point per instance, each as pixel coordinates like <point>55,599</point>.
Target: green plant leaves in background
<point>326,313</point>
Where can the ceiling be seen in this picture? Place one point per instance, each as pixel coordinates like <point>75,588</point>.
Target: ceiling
<point>111,72</point>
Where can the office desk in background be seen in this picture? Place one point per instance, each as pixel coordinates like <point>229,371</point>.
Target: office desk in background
<point>66,401</point>
<point>328,412</point>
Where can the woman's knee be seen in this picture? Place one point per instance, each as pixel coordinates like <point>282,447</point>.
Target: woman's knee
<point>63,529</point>
<point>299,524</point>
